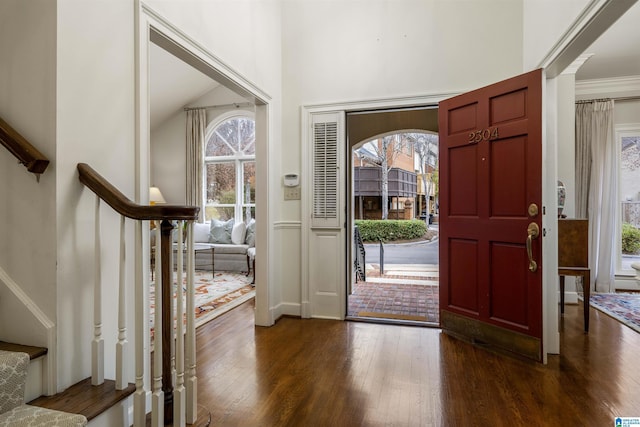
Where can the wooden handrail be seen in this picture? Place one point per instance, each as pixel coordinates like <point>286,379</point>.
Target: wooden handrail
<point>124,206</point>
<point>164,325</point>
<point>26,153</point>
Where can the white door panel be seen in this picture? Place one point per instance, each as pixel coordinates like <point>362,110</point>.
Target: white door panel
<point>323,270</point>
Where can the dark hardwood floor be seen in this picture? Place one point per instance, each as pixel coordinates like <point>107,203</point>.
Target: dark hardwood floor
<point>331,373</point>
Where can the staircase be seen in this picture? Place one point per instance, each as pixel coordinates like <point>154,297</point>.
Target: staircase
<point>81,402</point>
<point>170,387</point>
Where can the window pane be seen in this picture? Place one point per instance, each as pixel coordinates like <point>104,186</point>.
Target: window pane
<point>233,144</point>
<point>247,135</point>
<point>221,183</point>
<point>219,144</point>
<point>249,212</point>
<point>223,213</point>
<point>630,194</point>
<point>234,136</point>
<point>249,182</point>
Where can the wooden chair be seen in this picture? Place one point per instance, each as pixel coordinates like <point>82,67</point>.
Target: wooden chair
<point>573,258</point>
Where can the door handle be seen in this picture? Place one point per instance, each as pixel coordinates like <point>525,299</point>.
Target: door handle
<point>533,231</point>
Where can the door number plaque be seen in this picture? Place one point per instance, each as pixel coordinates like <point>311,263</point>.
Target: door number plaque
<point>486,134</point>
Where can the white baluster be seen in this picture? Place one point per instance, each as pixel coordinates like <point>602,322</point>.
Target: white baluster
<point>142,325</point>
<point>157,397</point>
<point>192,380</point>
<point>179,418</point>
<point>122,344</point>
<point>97,345</point>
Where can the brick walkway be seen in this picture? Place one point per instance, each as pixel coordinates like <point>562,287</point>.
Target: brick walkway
<point>403,293</point>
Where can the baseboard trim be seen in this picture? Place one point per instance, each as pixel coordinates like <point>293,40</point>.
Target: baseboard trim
<point>305,310</point>
<point>286,309</point>
<point>627,284</point>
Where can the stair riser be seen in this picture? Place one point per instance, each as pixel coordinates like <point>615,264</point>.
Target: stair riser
<point>119,414</point>
<point>34,387</point>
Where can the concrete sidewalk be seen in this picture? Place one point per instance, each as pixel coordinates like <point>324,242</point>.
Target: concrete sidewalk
<point>410,274</point>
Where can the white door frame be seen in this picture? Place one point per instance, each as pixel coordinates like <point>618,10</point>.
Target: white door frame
<point>307,114</point>
<point>151,27</point>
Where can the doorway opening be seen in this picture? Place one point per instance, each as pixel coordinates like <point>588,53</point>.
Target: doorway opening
<point>393,199</point>
<point>220,98</point>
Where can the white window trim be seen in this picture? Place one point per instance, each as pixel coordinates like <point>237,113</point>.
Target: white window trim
<point>621,130</point>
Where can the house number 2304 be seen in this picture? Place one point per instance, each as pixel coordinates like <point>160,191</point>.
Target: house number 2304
<point>483,135</point>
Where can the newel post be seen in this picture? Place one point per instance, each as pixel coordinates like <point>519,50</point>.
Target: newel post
<point>167,318</point>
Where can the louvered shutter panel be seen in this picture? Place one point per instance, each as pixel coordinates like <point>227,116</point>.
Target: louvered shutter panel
<point>325,173</point>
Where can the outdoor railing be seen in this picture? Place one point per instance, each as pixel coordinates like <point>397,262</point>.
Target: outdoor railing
<point>360,266</point>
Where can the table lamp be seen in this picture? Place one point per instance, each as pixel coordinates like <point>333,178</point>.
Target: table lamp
<point>155,196</point>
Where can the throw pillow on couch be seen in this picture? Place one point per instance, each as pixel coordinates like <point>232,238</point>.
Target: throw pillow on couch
<point>220,231</point>
<point>238,233</point>
<point>250,238</point>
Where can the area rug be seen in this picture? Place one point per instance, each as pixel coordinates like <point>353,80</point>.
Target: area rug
<point>213,295</point>
<point>622,307</point>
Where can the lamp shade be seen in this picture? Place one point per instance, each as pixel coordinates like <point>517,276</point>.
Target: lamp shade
<point>155,196</point>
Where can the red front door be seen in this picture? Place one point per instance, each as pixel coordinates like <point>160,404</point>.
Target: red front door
<point>490,205</point>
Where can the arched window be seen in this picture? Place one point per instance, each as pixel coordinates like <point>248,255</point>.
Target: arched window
<point>230,170</point>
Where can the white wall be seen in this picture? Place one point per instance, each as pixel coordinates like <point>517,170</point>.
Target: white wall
<point>627,112</point>
<point>169,159</point>
<point>27,210</point>
<point>243,34</point>
<point>95,125</point>
<point>566,140</point>
<point>545,21</point>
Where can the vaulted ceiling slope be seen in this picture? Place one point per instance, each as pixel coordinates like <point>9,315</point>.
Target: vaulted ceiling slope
<point>173,84</point>
<point>617,52</point>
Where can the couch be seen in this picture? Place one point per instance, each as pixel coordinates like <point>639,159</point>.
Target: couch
<point>230,242</point>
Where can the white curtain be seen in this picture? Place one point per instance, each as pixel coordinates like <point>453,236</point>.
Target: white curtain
<point>196,124</point>
<point>596,164</point>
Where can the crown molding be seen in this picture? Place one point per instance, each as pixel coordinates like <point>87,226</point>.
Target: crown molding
<point>601,87</point>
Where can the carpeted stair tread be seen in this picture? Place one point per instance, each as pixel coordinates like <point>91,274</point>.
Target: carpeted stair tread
<point>86,399</point>
<point>33,352</point>
<point>13,411</point>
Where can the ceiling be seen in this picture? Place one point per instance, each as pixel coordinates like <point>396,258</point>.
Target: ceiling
<point>617,51</point>
<point>173,84</point>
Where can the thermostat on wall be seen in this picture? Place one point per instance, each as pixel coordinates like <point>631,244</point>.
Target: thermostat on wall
<point>291,180</point>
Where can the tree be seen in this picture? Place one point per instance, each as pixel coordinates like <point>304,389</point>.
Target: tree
<point>425,145</point>
<point>382,152</point>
